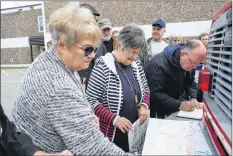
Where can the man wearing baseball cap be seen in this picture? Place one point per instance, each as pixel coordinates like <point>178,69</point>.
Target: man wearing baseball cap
<point>106,27</point>
<point>155,44</point>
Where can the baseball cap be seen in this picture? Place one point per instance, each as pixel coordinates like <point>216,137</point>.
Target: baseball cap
<point>104,23</point>
<point>159,22</point>
<point>93,10</point>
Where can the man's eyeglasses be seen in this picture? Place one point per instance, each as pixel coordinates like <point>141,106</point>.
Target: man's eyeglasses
<point>88,49</point>
<point>193,63</point>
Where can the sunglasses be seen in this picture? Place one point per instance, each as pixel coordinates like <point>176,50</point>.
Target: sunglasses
<point>88,49</point>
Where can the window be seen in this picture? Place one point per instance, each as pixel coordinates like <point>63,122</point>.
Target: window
<point>40,24</point>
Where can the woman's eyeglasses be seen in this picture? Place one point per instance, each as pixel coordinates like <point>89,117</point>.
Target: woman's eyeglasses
<point>134,53</point>
<point>88,49</point>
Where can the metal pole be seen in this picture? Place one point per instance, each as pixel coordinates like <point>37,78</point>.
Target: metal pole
<point>31,53</point>
<point>44,25</point>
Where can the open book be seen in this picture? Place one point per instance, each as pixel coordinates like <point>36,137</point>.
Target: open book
<point>195,114</point>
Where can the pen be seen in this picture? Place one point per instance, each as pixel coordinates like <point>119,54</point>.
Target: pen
<point>189,98</point>
<point>191,101</point>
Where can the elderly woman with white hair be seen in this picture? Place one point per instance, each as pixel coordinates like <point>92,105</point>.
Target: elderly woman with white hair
<point>51,106</point>
<point>118,90</point>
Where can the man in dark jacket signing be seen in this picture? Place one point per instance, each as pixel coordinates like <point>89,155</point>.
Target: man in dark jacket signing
<point>170,76</point>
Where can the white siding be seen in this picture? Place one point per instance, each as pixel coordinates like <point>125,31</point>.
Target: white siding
<point>14,42</point>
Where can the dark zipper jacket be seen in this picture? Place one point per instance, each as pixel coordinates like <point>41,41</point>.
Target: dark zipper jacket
<point>13,143</point>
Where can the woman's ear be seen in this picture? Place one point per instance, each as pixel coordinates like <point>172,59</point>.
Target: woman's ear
<point>118,44</point>
<point>61,45</point>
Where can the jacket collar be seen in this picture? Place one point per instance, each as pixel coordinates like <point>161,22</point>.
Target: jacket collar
<point>109,60</point>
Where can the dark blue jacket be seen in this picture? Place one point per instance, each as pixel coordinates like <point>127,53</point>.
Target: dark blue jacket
<point>168,81</point>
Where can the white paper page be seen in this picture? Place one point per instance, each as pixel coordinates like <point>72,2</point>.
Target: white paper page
<point>170,137</point>
<point>195,114</point>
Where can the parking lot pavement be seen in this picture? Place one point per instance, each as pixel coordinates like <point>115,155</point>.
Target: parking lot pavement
<point>10,80</point>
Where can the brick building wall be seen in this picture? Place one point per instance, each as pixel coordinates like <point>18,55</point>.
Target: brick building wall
<point>122,12</point>
<point>17,25</point>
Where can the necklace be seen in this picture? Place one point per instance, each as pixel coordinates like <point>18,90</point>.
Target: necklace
<point>131,87</point>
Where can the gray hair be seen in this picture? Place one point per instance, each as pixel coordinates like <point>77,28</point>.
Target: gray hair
<point>72,23</point>
<point>190,45</point>
<point>131,36</point>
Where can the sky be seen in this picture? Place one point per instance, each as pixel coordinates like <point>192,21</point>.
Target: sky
<point>10,4</point>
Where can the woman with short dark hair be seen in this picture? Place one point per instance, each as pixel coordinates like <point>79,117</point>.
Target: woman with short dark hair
<point>118,90</point>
